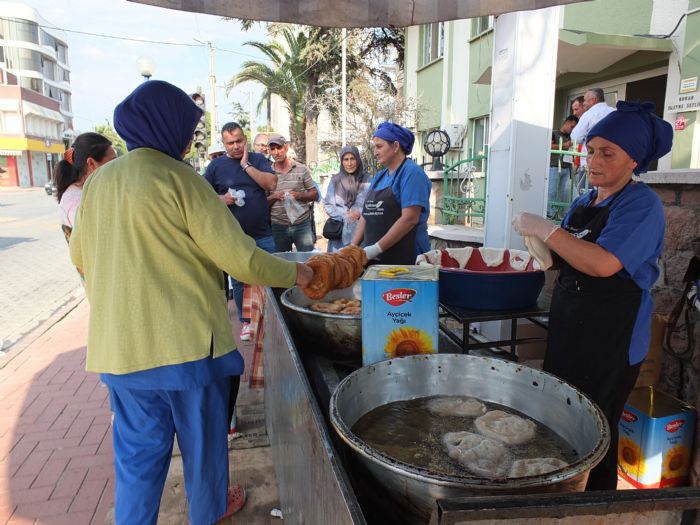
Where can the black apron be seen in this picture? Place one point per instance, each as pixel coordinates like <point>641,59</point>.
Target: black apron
<point>381,211</point>
<point>590,329</point>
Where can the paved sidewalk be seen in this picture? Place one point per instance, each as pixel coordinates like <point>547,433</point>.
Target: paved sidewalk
<point>56,463</point>
<point>56,460</point>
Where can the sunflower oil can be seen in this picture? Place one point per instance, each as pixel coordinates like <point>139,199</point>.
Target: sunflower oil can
<point>399,312</point>
<point>656,439</point>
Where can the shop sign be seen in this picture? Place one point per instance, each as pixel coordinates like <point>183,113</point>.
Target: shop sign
<point>679,125</point>
<point>688,85</point>
<point>690,102</point>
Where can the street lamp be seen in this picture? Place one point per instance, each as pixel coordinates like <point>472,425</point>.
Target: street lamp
<point>146,67</point>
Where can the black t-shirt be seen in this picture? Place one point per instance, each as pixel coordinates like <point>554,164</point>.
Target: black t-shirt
<point>554,159</point>
<point>224,173</point>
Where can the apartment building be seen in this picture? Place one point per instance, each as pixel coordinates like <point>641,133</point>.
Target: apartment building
<point>36,119</point>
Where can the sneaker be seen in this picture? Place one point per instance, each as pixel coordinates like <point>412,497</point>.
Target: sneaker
<point>246,332</point>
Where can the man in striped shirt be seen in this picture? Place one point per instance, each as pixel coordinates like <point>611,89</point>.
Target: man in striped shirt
<point>294,184</point>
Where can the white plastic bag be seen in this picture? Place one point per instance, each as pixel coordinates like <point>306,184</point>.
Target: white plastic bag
<point>293,208</point>
<point>239,195</point>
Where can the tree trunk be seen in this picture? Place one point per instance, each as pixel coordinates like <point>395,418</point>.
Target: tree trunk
<point>298,140</point>
<point>312,141</point>
<point>311,121</point>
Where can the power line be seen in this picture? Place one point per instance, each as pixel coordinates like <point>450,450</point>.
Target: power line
<point>131,39</point>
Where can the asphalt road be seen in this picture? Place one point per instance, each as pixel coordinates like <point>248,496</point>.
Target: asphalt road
<point>36,275</point>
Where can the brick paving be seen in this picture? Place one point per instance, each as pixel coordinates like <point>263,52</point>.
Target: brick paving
<point>56,458</point>
<point>56,462</point>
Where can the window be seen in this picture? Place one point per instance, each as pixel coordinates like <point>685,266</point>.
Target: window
<point>433,42</point>
<point>480,137</point>
<point>47,40</point>
<point>62,53</point>
<point>481,24</point>
<point>17,29</point>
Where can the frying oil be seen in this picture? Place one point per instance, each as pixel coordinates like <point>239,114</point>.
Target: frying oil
<point>408,432</point>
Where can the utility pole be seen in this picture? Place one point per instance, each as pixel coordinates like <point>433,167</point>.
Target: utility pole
<point>251,115</point>
<point>212,94</point>
<point>343,91</point>
<point>212,91</point>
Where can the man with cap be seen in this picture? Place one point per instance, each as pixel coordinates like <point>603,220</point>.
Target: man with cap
<point>160,333</point>
<point>294,185</point>
<point>607,249</point>
<point>216,150</point>
<point>251,173</point>
<point>394,222</point>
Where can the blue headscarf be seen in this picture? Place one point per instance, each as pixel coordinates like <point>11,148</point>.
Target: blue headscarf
<point>157,115</point>
<point>393,132</point>
<point>636,129</point>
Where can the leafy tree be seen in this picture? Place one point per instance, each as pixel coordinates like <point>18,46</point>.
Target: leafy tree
<point>240,115</point>
<point>108,131</point>
<point>304,69</point>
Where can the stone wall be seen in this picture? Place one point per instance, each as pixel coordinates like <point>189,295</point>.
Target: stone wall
<point>680,193</point>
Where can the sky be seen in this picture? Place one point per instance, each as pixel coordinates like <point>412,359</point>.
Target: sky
<point>105,70</point>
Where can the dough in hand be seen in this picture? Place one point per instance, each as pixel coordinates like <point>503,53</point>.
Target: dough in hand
<point>507,428</point>
<point>540,251</point>
<point>456,406</point>
<point>480,455</point>
<point>535,466</point>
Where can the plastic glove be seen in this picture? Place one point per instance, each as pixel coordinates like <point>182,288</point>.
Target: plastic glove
<point>531,225</point>
<point>373,251</point>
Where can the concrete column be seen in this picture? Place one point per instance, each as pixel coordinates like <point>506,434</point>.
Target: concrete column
<point>522,109</point>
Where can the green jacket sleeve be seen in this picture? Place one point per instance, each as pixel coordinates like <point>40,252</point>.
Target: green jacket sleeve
<point>217,232</point>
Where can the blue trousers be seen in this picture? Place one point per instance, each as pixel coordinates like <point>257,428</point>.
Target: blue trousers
<point>145,423</point>
<point>298,234</point>
<point>264,243</point>
<point>556,187</point>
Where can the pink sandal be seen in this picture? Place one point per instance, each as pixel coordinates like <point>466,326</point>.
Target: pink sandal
<point>236,499</point>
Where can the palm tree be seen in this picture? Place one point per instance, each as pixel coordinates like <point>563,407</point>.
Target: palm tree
<point>302,62</point>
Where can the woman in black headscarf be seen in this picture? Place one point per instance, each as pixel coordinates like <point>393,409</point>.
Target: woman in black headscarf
<point>345,196</point>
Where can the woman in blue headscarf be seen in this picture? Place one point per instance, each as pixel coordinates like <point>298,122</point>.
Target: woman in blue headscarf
<point>394,222</point>
<point>345,195</point>
<point>152,238</point>
<point>607,250</point>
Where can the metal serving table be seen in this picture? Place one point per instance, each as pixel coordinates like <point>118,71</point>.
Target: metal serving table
<point>319,483</point>
<point>466,317</point>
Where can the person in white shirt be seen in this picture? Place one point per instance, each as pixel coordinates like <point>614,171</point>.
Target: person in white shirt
<point>595,109</point>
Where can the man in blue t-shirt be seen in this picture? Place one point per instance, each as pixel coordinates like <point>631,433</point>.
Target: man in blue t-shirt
<point>250,172</point>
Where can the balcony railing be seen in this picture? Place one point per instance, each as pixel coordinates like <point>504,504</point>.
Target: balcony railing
<point>464,190</point>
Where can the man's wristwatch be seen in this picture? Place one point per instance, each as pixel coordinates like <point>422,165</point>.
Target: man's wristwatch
<point>248,165</point>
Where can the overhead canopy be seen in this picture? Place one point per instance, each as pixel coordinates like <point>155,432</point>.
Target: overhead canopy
<point>357,13</point>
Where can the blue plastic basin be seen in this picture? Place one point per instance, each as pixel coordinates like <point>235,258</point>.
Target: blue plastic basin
<point>490,290</point>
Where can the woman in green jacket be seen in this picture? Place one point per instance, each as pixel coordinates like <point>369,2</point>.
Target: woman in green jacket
<point>152,239</point>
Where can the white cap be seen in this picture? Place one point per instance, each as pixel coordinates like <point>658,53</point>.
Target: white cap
<point>217,147</point>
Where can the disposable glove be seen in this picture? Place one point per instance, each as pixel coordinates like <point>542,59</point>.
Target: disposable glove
<point>373,251</point>
<point>530,225</point>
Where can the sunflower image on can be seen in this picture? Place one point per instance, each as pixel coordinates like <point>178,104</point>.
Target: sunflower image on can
<point>629,457</point>
<point>408,341</point>
<point>676,463</point>
<point>399,312</point>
